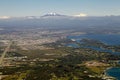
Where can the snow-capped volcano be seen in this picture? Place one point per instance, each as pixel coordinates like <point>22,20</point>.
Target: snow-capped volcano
<point>52,14</point>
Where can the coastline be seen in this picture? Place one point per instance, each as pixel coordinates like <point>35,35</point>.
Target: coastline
<point>106,76</point>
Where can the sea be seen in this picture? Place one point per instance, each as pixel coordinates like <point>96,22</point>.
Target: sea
<point>114,72</point>
<point>109,39</point>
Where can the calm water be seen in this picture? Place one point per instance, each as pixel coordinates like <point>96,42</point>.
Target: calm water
<point>114,72</point>
<point>110,39</point>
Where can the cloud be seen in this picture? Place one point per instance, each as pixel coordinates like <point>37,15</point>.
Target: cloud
<point>4,17</point>
<point>81,15</point>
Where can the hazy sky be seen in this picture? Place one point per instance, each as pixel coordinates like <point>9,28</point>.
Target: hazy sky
<point>68,7</point>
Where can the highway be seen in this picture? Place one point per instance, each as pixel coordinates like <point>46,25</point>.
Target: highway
<point>4,53</point>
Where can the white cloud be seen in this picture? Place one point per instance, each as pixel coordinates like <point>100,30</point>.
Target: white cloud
<point>81,15</point>
<point>4,17</point>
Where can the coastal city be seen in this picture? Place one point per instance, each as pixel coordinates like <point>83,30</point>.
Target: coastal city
<point>59,39</point>
<point>28,48</point>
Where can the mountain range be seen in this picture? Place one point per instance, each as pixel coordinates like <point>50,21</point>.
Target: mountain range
<point>58,21</point>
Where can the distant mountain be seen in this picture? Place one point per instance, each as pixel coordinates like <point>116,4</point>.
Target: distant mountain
<point>58,21</point>
<point>48,15</point>
<point>52,15</point>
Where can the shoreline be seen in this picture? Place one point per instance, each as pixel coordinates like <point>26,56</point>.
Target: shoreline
<point>107,76</point>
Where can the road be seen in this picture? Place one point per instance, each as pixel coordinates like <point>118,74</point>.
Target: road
<point>4,53</point>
